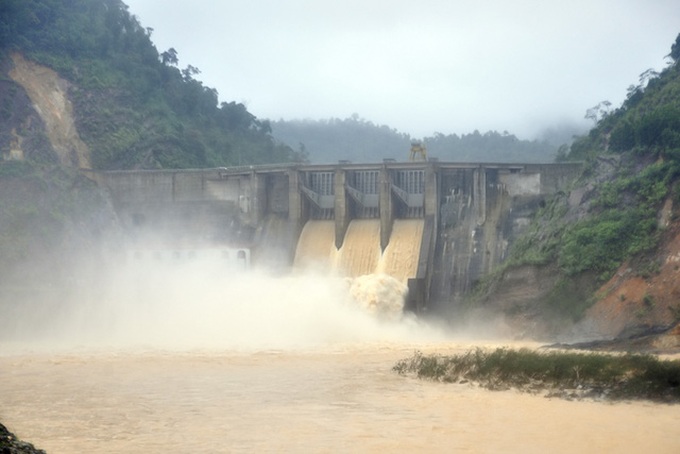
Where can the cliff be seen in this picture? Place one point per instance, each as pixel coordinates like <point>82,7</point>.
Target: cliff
<point>39,124</point>
<point>601,260</point>
<point>52,218</point>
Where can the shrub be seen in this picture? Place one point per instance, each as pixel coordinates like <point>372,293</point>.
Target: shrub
<point>619,377</point>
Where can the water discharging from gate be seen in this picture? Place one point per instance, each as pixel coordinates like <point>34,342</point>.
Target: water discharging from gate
<point>360,253</point>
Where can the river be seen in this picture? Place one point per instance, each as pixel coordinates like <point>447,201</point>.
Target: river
<point>342,399</point>
<point>181,360</point>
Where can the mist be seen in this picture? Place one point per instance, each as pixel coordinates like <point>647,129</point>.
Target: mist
<point>205,304</point>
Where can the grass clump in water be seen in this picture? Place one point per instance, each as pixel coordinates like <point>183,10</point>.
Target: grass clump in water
<point>562,374</point>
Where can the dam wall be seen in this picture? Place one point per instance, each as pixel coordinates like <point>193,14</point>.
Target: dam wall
<point>449,223</point>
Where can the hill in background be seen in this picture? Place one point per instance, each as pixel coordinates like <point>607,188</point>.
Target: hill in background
<point>358,140</point>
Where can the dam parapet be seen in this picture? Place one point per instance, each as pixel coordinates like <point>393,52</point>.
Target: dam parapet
<point>465,215</point>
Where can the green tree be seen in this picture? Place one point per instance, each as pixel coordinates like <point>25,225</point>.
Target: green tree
<point>675,50</point>
<point>169,57</point>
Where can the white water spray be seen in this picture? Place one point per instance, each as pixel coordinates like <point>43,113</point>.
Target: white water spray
<point>203,305</point>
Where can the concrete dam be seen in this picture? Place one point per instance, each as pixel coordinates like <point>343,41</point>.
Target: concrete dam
<point>436,226</point>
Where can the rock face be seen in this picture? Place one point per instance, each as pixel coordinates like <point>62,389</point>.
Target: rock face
<point>50,213</point>
<point>10,444</point>
<point>641,300</point>
<point>22,130</point>
<point>633,302</point>
<point>49,95</point>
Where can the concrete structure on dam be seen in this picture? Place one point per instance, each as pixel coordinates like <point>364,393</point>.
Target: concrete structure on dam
<point>471,213</point>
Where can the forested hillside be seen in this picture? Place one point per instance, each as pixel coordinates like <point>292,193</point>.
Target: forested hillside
<point>358,140</point>
<point>133,106</point>
<point>609,247</point>
<point>353,139</point>
<point>490,146</point>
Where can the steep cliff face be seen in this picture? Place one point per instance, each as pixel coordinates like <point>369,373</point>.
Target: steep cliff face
<point>52,218</point>
<point>22,130</point>
<point>634,300</point>
<point>543,301</point>
<point>41,107</point>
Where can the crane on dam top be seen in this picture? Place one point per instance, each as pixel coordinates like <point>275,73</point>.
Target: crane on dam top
<point>418,151</point>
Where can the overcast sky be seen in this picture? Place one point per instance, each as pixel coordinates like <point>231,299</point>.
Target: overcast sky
<point>419,66</point>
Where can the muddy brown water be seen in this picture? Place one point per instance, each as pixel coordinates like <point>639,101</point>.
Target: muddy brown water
<point>333,399</point>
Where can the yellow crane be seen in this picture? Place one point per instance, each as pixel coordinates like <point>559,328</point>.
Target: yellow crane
<point>418,151</point>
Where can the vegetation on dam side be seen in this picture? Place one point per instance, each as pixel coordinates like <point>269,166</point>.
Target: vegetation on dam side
<point>606,251</point>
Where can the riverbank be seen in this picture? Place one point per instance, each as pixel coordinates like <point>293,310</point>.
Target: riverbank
<point>571,375</point>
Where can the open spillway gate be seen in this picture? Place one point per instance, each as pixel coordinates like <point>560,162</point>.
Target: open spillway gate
<point>369,208</point>
<point>455,220</point>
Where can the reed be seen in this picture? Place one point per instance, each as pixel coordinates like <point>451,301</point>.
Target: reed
<point>560,374</point>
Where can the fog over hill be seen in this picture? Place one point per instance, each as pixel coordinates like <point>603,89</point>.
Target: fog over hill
<point>359,140</point>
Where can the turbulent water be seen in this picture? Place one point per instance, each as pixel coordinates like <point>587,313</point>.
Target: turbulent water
<point>360,253</point>
<point>194,357</point>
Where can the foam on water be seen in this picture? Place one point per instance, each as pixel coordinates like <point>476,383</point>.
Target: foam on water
<point>379,295</point>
